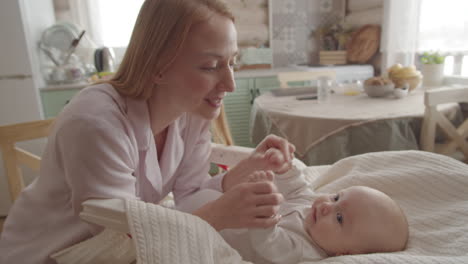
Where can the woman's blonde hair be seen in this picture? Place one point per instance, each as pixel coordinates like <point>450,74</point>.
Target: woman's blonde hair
<point>220,129</point>
<point>160,31</point>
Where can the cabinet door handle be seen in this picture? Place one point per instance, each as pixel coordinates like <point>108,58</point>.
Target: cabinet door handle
<point>252,96</point>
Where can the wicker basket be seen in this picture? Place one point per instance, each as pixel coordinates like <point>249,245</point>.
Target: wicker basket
<point>332,57</point>
<point>414,82</point>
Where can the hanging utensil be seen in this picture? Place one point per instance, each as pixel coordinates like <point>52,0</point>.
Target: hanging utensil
<point>72,48</point>
<point>48,53</point>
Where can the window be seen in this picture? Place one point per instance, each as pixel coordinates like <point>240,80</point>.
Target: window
<point>443,27</point>
<point>115,20</point>
<point>107,22</point>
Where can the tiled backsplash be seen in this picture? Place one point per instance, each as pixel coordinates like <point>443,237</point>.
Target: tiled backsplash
<point>290,28</point>
<point>292,24</point>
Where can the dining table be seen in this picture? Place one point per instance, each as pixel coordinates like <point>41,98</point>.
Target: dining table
<point>343,126</point>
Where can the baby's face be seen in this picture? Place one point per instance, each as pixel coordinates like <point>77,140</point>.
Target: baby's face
<point>357,220</point>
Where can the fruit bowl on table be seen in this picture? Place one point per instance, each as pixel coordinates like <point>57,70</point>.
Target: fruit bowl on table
<point>413,82</point>
<point>379,90</point>
<point>401,76</point>
<point>378,86</point>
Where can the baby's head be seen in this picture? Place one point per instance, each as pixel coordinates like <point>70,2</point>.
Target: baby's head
<point>357,220</point>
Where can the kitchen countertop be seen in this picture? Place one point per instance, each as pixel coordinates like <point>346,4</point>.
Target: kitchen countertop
<point>67,86</point>
<point>238,74</point>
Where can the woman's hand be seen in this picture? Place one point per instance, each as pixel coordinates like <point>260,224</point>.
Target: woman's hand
<point>276,163</point>
<point>269,155</point>
<point>252,204</point>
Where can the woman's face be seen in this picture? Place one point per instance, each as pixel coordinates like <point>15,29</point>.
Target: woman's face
<point>202,73</point>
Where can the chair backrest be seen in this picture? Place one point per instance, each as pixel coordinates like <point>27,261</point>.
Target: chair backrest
<point>434,118</point>
<point>285,78</point>
<point>13,156</point>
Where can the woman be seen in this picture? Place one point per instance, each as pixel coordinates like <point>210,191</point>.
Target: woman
<point>145,133</point>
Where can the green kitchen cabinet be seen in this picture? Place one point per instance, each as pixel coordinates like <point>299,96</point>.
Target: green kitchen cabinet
<point>53,101</point>
<point>239,104</point>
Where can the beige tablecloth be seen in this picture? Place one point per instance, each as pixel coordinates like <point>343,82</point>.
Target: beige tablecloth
<point>346,125</point>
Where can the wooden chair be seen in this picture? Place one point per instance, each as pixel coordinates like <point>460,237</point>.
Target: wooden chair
<point>285,78</point>
<point>433,118</point>
<point>13,156</point>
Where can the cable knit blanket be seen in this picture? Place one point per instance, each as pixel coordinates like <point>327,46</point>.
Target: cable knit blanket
<point>167,236</point>
<point>431,189</point>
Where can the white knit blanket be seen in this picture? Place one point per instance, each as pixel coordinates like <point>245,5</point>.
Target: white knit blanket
<point>431,189</point>
<point>165,236</point>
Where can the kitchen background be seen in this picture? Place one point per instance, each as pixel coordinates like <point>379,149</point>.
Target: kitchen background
<point>279,31</point>
<point>290,32</point>
<point>282,27</point>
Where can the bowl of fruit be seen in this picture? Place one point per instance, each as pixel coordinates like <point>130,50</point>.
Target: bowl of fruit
<point>405,76</point>
<point>378,86</point>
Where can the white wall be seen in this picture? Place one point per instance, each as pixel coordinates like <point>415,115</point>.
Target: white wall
<point>21,25</point>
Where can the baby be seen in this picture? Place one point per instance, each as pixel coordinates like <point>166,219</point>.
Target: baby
<point>355,220</point>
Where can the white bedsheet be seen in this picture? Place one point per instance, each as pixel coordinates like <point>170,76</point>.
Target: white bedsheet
<point>431,189</point>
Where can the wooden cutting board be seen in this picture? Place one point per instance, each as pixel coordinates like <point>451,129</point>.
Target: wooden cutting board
<point>364,44</point>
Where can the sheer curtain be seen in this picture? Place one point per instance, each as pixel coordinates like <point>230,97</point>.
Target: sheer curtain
<point>400,31</point>
<point>414,26</point>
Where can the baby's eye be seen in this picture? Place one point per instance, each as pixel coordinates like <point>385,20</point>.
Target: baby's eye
<point>339,218</point>
<point>336,197</point>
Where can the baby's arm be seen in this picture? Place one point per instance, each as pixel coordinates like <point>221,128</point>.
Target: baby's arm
<point>276,245</point>
<point>292,183</point>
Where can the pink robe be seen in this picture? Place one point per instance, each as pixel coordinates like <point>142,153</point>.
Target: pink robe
<point>101,146</point>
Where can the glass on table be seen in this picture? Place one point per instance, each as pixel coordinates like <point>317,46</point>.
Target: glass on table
<point>324,87</point>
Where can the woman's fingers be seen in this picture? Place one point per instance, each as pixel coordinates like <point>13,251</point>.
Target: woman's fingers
<point>282,144</point>
<point>263,187</point>
<point>284,168</point>
<point>266,211</point>
<point>246,205</point>
<point>275,156</point>
<point>265,222</point>
<point>268,199</point>
<point>258,176</point>
<point>292,149</point>
<point>278,152</point>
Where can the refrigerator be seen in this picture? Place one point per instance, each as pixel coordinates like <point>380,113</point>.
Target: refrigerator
<point>21,25</point>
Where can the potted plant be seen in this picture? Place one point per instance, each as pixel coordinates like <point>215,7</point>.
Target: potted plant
<point>332,35</point>
<point>432,68</point>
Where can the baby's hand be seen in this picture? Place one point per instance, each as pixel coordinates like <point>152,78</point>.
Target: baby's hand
<point>274,157</point>
<point>274,160</point>
<point>270,160</point>
<point>259,176</point>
